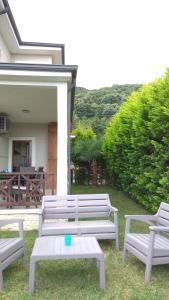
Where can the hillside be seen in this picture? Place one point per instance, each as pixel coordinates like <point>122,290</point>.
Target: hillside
<point>95,107</point>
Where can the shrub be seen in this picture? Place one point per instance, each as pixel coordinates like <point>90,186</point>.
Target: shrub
<point>136,144</point>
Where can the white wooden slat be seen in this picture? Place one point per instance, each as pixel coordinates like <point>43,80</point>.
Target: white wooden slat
<point>12,258</point>
<point>74,215</point>
<point>164,206</point>
<point>58,232</point>
<point>94,209</point>
<point>54,210</point>
<point>60,210</point>
<point>161,242</point>
<point>92,196</point>
<point>102,236</point>
<point>138,241</point>
<point>57,198</point>
<point>160,260</point>
<point>6,243</point>
<point>61,216</point>
<point>163,214</point>
<point>93,215</point>
<point>76,202</point>
<point>9,246</point>
<point>136,252</point>
<point>92,202</point>
<point>163,222</point>
<point>100,226</point>
<point>56,204</point>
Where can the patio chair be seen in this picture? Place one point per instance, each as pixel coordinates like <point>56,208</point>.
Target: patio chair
<point>152,248</point>
<point>11,248</point>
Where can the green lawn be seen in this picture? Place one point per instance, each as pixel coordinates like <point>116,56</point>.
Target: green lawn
<point>78,279</point>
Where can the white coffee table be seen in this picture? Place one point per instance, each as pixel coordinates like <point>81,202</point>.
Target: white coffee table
<point>52,247</point>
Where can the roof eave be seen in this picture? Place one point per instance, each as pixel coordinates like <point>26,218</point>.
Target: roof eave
<point>48,68</point>
<point>7,10</point>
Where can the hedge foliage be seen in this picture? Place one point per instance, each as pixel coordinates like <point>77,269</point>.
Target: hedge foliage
<point>136,144</point>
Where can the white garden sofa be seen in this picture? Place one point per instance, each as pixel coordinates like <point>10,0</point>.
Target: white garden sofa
<point>89,214</point>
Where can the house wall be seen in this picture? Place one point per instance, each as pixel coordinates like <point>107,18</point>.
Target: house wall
<point>40,133</point>
<point>4,144</point>
<point>4,52</point>
<point>40,59</point>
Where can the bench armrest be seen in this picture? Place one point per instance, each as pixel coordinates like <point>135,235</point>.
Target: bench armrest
<point>113,209</point>
<point>147,219</point>
<point>159,228</point>
<point>12,221</point>
<point>142,218</point>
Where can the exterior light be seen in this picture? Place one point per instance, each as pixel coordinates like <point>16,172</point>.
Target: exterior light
<point>25,111</point>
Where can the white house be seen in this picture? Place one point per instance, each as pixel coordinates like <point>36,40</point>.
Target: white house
<point>36,96</point>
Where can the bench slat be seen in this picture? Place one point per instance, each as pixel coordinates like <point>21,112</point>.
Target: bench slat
<point>74,215</point>
<point>56,204</point>
<point>164,206</point>
<point>65,203</point>
<point>54,210</point>
<point>163,222</point>
<point>163,214</point>
<point>92,196</point>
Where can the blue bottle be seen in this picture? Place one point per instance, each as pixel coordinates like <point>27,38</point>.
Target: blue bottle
<point>68,239</point>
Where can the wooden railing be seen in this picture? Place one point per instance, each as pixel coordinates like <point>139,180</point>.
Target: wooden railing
<point>25,189</point>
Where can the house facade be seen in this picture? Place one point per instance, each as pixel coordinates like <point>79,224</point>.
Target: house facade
<point>36,103</point>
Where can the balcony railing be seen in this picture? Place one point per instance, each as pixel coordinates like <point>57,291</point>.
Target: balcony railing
<point>25,189</point>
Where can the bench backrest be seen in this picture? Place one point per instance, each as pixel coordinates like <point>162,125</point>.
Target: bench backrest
<point>76,206</point>
<point>163,214</point>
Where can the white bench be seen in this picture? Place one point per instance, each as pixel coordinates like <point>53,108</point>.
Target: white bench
<point>88,214</point>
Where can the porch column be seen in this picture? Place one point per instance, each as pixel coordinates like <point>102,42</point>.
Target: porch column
<point>62,143</point>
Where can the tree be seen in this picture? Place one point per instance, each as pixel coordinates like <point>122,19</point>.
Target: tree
<point>99,104</point>
<point>86,152</point>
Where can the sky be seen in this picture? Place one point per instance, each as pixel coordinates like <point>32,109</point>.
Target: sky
<point>111,41</point>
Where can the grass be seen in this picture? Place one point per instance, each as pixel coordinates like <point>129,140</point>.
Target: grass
<point>77,279</point>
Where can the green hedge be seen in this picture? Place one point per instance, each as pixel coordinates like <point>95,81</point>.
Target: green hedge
<point>136,144</point>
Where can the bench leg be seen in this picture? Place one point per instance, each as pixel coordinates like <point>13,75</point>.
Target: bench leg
<point>117,243</point>
<point>32,277</point>
<point>102,274</point>
<point>149,257</point>
<point>148,271</point>
<point>125,254</point>
<point>23,260</point>
<point>94,262</point>
<point>1,280</point>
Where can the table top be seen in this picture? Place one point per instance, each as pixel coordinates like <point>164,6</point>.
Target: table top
<point>50,247</point>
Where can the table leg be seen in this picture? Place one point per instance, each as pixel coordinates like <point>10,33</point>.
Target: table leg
<point>102,273</point>
<point>1,280</point>
<point>32,276</point>
<point>94,262</point>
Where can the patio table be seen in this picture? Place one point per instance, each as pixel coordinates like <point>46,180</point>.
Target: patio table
<point>53,247</point>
